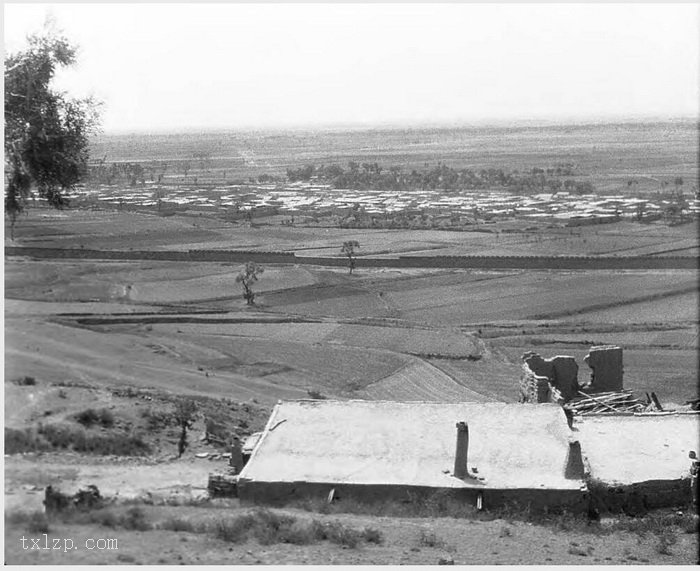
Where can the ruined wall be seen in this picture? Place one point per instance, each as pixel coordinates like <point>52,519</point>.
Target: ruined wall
<point>548,380</point>
<point>605,362</point>
<point>533,388</point>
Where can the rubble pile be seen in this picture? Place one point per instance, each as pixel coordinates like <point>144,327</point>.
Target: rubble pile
<point>611,402</point>
<point>555,380</point>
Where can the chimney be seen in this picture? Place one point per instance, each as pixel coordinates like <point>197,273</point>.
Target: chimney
<point>462,450</point>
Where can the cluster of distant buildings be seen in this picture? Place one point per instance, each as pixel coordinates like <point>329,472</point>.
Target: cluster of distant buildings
<point>309,198</point>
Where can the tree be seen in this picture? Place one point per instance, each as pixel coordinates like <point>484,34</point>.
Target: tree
<point>349,250</point>
<point>46,132</point>
<point>247,277</point>
<point>185,411</point>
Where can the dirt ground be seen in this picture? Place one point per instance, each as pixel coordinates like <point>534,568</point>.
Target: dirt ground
<point>132,337</point>
<point>406,541</point>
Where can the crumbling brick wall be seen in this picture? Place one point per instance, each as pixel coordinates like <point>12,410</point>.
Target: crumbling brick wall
<point>534,388</point>
<point>548,380</point>
<point>605,362</point>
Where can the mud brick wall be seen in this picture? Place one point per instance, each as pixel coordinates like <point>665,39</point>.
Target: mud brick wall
<point>534,388</point>
<point>559,373</point>
<point>605,362</point>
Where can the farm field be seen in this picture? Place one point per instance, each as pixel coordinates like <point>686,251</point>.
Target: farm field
<point>184,326</point>
<point>112,230</point>
<point>135,337</point>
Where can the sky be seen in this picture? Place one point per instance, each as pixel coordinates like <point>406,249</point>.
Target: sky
<point>169,67</point>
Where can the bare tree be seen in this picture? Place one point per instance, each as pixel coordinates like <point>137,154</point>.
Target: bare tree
<point>185,411</point>
<point>348,249</point>
<point>247,277</point>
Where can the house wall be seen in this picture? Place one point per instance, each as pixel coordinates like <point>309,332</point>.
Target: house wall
<point>280,493</point>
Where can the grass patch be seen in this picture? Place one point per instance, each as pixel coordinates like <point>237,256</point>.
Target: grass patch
<point>64,436</point>
<point>133,519</point>
<point>338,533</point>
<point>657,523</point>
<point>33,522</point>
<point>665,539</point>
<point>180,524</point>
<point>443,504</point>
<point>428,538</point>
<point>268,528</point>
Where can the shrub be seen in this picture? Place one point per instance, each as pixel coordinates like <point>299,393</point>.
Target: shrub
<point>268,527</point>
<point>505,532</point>
<point>105,518</point>
<point>179,524</point>
<point>38,523</point>
<point>216,430</point>
<point>157,420</point>
<point>666,539</point>
<point>34,522</point>
<point>429,539</point>
<point>134,519</point>
<point>657,523</point>
<point>24,381</point>
<point>66,436</point>
<point>336,532</point>
<point>372,535</point>
<point>22,440</point>
<point>234,530</point>
<point>90,417</point>
<point>298,533</point>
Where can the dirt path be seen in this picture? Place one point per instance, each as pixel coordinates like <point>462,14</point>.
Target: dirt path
<point>26,476</point>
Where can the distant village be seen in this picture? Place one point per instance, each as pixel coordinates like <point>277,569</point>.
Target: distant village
<point>483,198</point>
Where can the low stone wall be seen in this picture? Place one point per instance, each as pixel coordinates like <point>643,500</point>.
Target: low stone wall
<point>485,262</point>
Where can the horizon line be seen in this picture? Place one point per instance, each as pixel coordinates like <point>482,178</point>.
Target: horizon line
<point>410,124</point>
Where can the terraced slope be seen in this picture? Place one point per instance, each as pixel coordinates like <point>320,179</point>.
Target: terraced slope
<point>420,381</point>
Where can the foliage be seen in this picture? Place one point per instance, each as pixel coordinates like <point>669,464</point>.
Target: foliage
<point>24,381</point>
<point>348,249</point>
<point>90,417</point>
<point>46,132</point>
<point>248,276</point>
<point>33,522</point>
<point>268,528</point>
<point>428,538</point>
<point>62,436</point>
<point>117,172</point>
<point>366,176</point>
<point>134,518</point>
<point>179,524</point>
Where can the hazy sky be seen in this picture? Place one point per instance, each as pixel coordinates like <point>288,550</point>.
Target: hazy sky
<point>170,66</point>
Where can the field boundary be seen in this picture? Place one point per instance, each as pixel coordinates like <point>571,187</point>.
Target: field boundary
<point>491,262</point>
